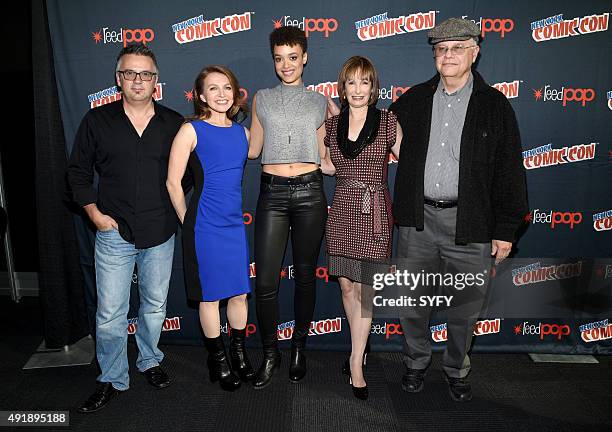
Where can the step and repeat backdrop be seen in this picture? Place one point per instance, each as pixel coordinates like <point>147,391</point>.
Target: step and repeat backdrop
<point>551,59</point>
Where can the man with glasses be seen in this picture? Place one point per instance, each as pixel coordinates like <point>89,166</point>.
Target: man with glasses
<point>128,142</point>
<point>460,194</point>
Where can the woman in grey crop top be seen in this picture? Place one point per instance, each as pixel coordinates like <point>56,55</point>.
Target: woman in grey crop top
<point>285,123</point>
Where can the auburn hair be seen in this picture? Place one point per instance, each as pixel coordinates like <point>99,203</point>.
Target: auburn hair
<point>201,108</point>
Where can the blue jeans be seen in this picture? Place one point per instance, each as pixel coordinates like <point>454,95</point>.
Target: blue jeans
<point>115,259</point>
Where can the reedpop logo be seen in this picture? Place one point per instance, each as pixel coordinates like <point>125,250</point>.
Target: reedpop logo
<point>565,95</point>
<point>125,36</point>
<point>554,218</point>
<point>309,25</point>
<point>495,25</point>
<point>543,329</point>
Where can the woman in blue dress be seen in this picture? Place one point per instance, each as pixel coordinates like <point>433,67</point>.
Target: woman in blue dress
<point>215,251</point>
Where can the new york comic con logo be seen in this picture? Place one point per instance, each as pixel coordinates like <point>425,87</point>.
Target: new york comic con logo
<point>328,88</point>
<point>602,221</point>
<point>502,26</point>
<point>198,28</point>
<point>309,25</point>
<point>124,36</point>
<point>439,333</point>
<point>609,98</point>
<point>112,94</point>
<point>381,26</point>
<point>596,331</point>
<point>545,156</point>
<point>509,89</point>
<point>170,324</point>
<point>564,95</point>
<point>555,27</point>
<point>535,273</point>
<point>317,328</point>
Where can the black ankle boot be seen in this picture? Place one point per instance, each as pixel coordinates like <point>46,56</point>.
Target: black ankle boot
<point>238,356</point>
<point>271,362</point>
<point>218,365</point>
<point>297,366</point>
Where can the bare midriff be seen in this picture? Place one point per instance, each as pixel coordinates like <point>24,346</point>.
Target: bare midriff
<point>289,169</point>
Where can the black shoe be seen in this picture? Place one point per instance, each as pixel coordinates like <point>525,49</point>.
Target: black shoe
<point>271,362</point>
<point>98,400</point>
<point>459,389</point>
<point>359,392</point>
<point>218,365</point>
<point>412,381</point>
<point>157,377</point>
<point>297,367</point>
<point>238,356</point>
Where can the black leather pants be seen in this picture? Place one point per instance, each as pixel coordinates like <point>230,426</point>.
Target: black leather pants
<point>297,205</point>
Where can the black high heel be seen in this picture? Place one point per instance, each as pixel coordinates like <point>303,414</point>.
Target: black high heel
<point>359,392</point>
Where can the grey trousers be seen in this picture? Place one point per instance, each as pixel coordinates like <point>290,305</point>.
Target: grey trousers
<point>436,247</point>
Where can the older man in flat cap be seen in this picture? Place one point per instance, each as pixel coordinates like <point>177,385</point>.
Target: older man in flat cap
<point>460,193</point>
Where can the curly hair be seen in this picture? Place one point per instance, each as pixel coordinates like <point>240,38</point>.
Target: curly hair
<point>288,35</point>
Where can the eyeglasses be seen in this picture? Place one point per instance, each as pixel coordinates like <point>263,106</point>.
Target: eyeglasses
<point>131,75</point>
<point>457,50</point>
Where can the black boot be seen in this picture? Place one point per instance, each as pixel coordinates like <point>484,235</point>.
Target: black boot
<point>218,365</point>
<point>238,356</point>
<point>297,366</point>
<point>271,362</point>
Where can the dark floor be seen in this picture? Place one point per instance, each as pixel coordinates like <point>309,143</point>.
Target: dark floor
<point>511,393</point>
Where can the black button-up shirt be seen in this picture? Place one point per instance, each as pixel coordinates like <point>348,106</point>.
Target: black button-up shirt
<point>132,171</point>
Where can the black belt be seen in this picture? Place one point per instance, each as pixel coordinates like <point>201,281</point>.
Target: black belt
<point>440,204</point>
<point>301,179</point>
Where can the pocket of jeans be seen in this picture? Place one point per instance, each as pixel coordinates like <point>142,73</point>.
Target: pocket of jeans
<point>106,232</point>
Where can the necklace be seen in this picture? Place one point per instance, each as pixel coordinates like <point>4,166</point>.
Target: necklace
<point>289,125</point>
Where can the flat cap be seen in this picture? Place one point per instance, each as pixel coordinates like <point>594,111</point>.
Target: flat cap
<point>453,29</point>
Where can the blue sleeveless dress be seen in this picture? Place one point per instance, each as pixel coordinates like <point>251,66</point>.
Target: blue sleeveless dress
<point>215,248</point>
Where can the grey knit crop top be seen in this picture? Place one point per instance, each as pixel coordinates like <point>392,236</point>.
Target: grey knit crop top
<point>290,117</point>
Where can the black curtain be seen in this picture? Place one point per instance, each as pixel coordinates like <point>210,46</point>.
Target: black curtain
<point>60,277</point>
